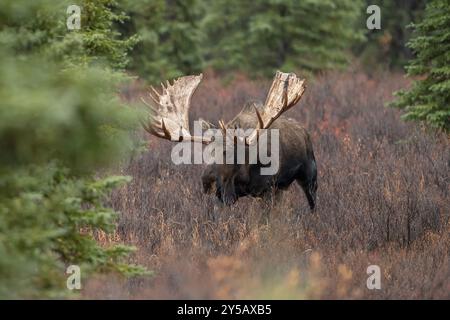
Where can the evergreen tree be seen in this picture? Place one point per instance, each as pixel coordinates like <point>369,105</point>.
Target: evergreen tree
<point>429,97</point>
<point>260,36</point>
<point>60,121</point>
<point>386,47</point>
<point>169,38</point>
<point>45,32</point>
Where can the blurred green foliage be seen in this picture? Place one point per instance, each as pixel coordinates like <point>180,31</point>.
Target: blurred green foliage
<point>47,218</point>
<point>429,98</point>
<point>259,37</point>
<point>60,121</point>
<point>183,37</point>
<point>170,37</point>
<point>386,48</point>
<point>256,37</point>
<point>49,112</point>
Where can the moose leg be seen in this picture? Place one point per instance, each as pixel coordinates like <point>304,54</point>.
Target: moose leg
<point>307,179</point>
<point>209,179</point>
<point>309,188</point>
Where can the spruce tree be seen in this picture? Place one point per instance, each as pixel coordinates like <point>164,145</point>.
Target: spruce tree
<point>61,121</point>
<point>385,48</point>
<point>259,36</point>
<point>169,38</point>
<point>428,99</point>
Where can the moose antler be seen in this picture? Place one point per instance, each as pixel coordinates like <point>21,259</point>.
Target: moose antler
<point>169,116</point>
<point>286,90</point>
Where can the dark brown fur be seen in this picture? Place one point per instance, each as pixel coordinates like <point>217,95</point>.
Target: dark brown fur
<point>297,162</point>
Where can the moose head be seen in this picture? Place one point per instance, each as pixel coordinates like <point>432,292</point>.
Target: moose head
<point>168,119</point>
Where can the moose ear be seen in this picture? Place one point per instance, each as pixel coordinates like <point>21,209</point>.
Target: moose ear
<point>206,125</point>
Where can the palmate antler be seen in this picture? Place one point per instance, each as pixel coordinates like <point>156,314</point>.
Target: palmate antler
<point>169,118</point>
<point>286,90</point>
<point>169,115</point>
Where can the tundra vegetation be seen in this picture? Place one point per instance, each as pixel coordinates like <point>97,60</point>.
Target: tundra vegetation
<point>82,183</point>
<point>238,169</point>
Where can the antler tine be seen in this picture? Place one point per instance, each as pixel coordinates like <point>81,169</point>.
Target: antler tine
<point>153,98</point>
<point>152,109</point>
<point>285,93</point>
<point>222,126</point>
<point>226,133</point>
<point>150,129</point>
<point>260,120</point>
<point>300,94</point>
<point>164,129</point>
<point>155,91</point>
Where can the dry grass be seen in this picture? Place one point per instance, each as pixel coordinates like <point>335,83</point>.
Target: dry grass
<point>382,199</point>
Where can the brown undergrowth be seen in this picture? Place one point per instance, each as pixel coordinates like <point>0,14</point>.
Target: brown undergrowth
<point>382,199</point>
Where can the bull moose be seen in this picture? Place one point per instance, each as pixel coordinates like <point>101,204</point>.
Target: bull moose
<point>169,120</point>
